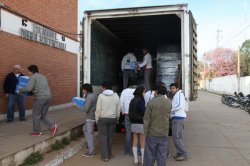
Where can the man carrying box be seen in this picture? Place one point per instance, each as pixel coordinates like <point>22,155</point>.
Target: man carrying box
<point>38,84</point>
<point>9,86</point>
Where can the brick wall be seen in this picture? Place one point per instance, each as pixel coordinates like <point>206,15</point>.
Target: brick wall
<point>57,14</point>
<point>60,67</point>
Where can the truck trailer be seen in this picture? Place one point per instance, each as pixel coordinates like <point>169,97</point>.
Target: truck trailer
<point>169,32</point>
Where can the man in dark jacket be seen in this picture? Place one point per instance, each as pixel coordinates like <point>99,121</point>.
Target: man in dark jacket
<point>9,86</point>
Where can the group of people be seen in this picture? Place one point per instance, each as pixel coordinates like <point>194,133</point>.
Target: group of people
<point>147,118</point>
<point>39,87</point>
<point>129,67</point>
<point>146,115</point>
<point>147,112</point>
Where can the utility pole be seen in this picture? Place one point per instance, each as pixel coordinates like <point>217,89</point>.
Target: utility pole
<point>218,37</point>
<point>204,72</point>
<point>238,70</point>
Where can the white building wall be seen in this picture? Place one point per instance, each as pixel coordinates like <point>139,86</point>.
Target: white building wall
<point>245,85</point>
<point>228,84</point>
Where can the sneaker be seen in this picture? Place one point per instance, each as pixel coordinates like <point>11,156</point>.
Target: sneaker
<point>181,158</point>
<point>168,155</point>
<point>110,157</point>
<point>36,133</point>
<point>54,130</point>
<point>87,154</point>
<point>105,159</point>
<point>177,155</point>
<point>136,164</point>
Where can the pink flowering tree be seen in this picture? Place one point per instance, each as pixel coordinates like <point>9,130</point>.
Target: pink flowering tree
<point>221,62</point>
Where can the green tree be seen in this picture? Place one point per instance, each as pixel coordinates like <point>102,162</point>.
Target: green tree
<point>245,58</point>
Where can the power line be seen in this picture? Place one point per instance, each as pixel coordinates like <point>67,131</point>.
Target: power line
<point>243,30</point>
<point>245,21</point>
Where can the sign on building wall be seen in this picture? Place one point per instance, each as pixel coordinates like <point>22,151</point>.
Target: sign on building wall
<point>30,30</point>
<point>43,35</point>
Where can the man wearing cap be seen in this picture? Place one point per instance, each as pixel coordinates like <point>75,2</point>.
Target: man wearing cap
<point>9,87</point>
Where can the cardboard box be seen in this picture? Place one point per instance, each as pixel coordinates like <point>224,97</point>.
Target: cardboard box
<point>80,102</point>
<point>22,82</point>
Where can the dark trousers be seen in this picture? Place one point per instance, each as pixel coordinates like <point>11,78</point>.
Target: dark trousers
<point>126,75</point>
<point>147,74</point>
<point>155,149</point>
<point>127,148</point>
<point>13,98</point>
<point>106,130</point>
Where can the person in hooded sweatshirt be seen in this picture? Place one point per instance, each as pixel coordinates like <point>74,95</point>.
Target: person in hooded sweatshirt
<point>106,115</point>
<point>178,116</point>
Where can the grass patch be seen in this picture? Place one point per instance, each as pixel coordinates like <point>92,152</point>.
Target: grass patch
<point>77,136</point>
<point>60,144</point>
<point>57,145</point>
<point>32,159</point>
<point>65,141</point>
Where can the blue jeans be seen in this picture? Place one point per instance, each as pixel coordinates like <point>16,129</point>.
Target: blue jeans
<point>155,149</point>
<point>127,148</point>
<point>13,98</point>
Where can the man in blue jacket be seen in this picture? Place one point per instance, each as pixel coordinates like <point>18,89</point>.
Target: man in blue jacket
<point>178,116</point>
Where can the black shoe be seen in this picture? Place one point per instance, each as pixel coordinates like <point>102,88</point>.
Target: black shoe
<point>22,119</point>
<point>87,154</point>
<point>9,120</point>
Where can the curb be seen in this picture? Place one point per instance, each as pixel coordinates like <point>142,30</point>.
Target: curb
<point>66,155</point>
<point>44,146</point>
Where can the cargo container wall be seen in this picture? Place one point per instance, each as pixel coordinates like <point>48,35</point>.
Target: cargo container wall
<point>106,54</point>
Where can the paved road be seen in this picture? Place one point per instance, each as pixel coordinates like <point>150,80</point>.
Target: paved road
<point>215,135</point>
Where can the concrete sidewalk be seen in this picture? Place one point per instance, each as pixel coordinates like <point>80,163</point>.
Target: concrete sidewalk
<point>16,142</point>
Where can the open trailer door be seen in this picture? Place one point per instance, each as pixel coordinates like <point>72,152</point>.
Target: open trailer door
<point>193,58</point>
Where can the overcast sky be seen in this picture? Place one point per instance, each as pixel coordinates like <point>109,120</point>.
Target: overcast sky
<point>229,17</point>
